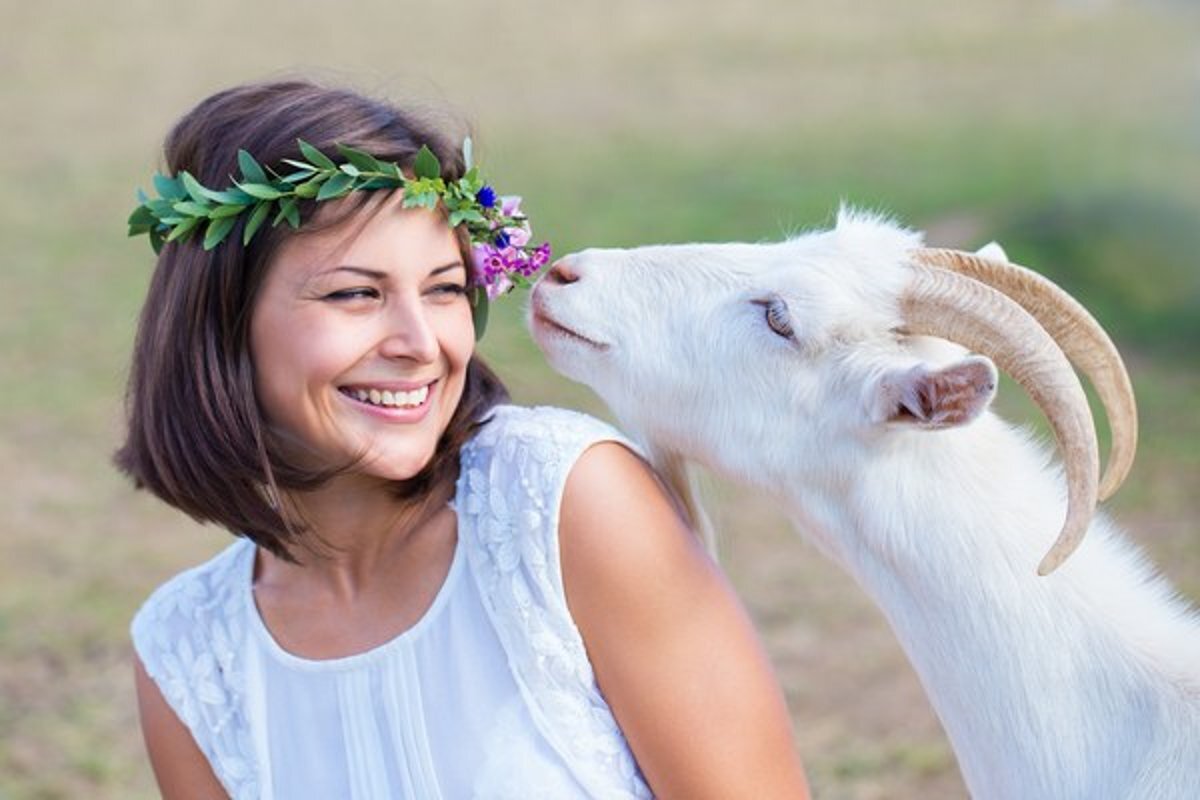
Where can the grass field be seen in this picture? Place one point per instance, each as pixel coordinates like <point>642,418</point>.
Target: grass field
<point>1069,130</point>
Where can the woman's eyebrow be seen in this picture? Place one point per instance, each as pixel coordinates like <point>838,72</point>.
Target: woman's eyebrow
<point>380,275</point>
<point>367,273</point>
<point>447,268</point>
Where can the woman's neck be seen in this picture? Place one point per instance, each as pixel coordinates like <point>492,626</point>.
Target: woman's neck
<point>354,531</point>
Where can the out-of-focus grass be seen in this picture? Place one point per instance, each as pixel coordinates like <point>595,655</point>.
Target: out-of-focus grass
<point>1067,130</point>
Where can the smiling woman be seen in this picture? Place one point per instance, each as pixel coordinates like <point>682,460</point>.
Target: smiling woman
<point>433,595</point>
<point>363,338</point>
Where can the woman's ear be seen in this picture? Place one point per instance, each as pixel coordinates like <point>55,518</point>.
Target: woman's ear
<point>934,398</point>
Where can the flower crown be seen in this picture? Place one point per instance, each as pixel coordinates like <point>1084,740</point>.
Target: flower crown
<point>498,230</point>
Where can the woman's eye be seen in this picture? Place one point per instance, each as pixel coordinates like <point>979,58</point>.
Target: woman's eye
<point>450,289</point>
<point>357,293</point>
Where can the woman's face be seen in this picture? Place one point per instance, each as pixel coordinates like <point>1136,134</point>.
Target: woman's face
<point>360,339</point>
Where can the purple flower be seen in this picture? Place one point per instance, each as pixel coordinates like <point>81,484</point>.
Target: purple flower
<point>486,197</point>
<point>480,253</point>
<point>540,256</point>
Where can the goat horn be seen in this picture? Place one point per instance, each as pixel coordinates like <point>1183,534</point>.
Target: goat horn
<point>951,306</point>
<point>1078,334</point>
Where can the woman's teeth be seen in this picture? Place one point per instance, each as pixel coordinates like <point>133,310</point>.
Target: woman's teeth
<point>390,399</point>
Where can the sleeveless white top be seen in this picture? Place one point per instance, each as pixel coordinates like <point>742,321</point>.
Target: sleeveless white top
<point>489,695</point>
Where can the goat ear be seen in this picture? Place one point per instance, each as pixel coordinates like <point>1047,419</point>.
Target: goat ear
<point>934,398</point>
<point>992,251</point>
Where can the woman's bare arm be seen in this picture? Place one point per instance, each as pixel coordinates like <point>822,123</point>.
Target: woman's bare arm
<point>673,651</point>
<point>182,771</point>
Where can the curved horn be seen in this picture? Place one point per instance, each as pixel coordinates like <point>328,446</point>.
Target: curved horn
<point>1078,334</point>
<point>952,306</point>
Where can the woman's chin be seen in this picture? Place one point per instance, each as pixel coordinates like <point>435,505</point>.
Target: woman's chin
<point>393,467</point>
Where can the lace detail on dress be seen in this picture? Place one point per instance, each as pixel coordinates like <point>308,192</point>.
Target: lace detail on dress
<point>510,486</point>
<point>190,637</point>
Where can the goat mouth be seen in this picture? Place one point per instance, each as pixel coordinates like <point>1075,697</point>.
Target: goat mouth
<point>554,327</point>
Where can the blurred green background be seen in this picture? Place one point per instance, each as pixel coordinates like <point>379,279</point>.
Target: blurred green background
<point>1069,131</point>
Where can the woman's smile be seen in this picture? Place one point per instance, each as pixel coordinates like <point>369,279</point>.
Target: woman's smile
<point>392,401</point>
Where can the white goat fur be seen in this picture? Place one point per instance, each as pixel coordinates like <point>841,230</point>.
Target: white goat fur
<point>1082,684</point>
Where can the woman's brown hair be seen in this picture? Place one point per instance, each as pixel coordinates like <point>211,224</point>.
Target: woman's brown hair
<point>197,438</point>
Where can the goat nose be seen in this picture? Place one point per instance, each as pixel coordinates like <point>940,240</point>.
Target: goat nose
<point>561,272</point>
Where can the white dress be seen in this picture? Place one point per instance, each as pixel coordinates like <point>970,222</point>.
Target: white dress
<point>489,695</point>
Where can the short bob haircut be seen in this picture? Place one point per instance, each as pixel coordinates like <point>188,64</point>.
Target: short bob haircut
<point>197,437</point>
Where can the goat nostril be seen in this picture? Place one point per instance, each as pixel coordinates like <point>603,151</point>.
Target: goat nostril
<point>561,272</point>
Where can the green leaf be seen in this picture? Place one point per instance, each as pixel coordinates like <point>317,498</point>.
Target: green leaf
<point>315,156</point>
<point>426,164</point>
<point>161,208</point>
<point>256,220</point>
<point>142,216</point>
<point>381,183</point>
<point>479,311</point>
<point>303,166</point>
<point>308,190</point>
<point>252,172</point>
<point>261,191</point>
<point>194,189</point>
<point>168,188</point>
<point>192,209</point>
<point>420,193</point>
<point>220,212</point>
<point>363,161</point>
<point>217,231</point>
<point>288,211</point>
<point>156,240</point>
<point>232,196</point>
<point>336,186</point>
<point>184,228</point>
<point>350,169</point>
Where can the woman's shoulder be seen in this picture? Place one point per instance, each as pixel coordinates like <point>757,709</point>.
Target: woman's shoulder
<point>207,590</point>
<point>189,638</point>
<point>531,424</point>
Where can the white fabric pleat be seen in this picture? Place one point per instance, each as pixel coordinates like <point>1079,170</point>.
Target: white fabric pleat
<point>360,732</point>
<point>406,718</point>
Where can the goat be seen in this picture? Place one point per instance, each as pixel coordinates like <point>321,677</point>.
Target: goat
<point>832,371</point>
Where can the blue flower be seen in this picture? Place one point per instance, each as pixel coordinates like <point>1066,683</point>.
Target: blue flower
<point>501,240</point>
<point>486,197</point>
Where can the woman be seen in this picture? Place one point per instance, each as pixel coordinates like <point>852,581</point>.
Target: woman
<point>433,594</point>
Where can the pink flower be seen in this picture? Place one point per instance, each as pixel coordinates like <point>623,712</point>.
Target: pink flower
<point>510,205</point>
<point>518,236</point>
<point>498,286</point>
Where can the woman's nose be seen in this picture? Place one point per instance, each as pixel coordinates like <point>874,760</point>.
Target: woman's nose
<point>409,334</point>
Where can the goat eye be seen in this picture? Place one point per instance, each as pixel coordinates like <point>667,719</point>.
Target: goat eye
<point>779,319</point>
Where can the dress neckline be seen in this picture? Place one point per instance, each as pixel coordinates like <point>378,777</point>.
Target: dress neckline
<point>351,660</point>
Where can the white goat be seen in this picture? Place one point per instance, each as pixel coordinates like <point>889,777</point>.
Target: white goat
<point>798,368</point>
